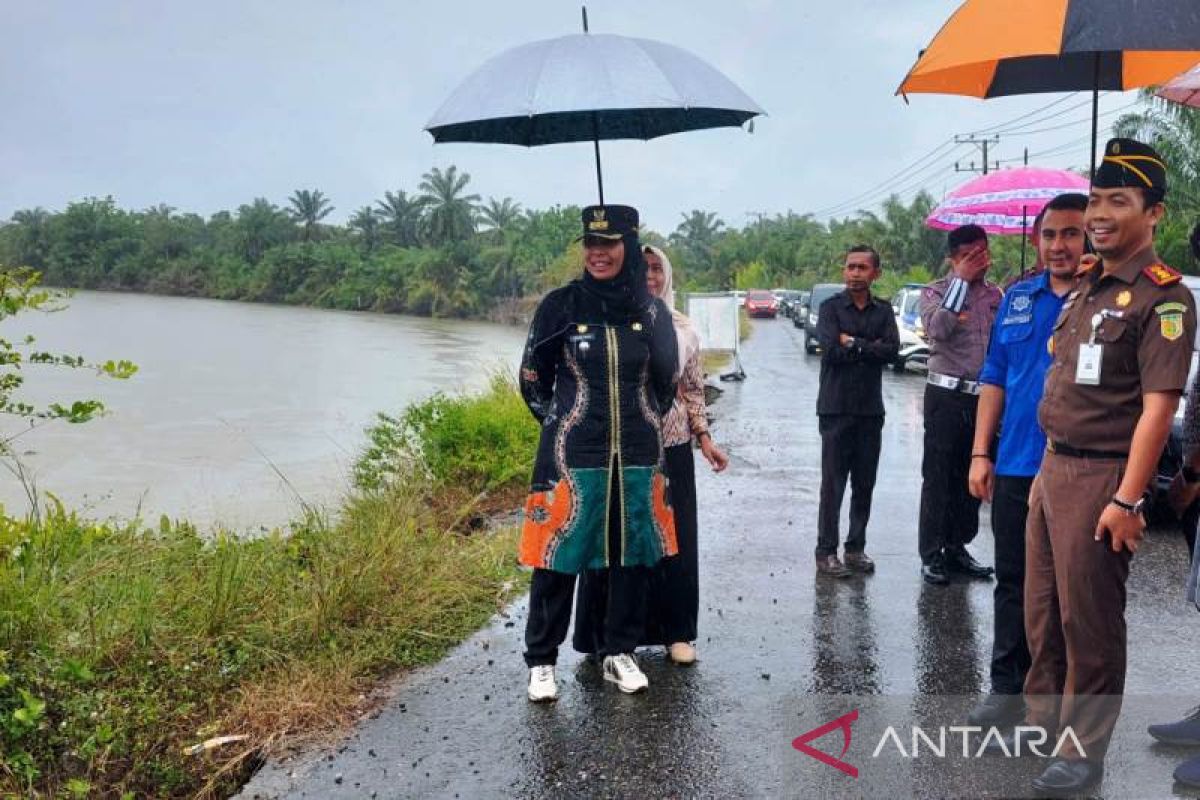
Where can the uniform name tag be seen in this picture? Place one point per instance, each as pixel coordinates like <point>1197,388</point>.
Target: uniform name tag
<point>1087,371</point>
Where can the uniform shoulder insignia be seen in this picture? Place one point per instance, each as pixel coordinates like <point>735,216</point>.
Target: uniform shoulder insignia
<point>1162,275</point>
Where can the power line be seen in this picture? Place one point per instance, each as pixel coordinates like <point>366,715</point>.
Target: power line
<point>1057,114</point>
<point>1075,122</point>
<point>897,176</point>
<point>993,128</point>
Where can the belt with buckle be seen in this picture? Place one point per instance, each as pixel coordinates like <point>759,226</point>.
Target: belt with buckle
<point>1063,449</point>
<point>952,383</point>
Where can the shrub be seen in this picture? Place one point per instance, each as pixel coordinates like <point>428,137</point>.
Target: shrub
<point>480,443</point>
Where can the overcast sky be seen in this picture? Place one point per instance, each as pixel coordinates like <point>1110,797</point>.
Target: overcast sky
<point>205,106</point>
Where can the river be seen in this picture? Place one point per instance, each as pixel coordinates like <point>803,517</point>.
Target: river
<point>228,398</point>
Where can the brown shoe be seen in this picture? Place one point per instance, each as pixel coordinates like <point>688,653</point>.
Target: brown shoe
<point>831,566</point>
<point>859,562</point>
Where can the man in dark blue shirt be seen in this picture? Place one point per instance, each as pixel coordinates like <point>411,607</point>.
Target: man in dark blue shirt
<point>1012,377</point>
<point>858,338</point>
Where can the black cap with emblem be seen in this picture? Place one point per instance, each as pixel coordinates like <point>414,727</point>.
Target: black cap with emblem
<point>608,222</point>
<point>1130,163</point>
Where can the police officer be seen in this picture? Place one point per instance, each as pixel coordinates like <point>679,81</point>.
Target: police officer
<point>1122,348</point>
<point>957,312</point>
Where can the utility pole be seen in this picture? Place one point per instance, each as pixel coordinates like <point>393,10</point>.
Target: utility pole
<point>981,142</point>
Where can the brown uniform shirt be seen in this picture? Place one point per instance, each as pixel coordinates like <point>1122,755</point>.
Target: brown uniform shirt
<point>958,341</point>
<point>1147,338</point>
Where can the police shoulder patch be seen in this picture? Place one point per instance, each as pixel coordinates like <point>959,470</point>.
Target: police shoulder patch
<point>1162,275</point>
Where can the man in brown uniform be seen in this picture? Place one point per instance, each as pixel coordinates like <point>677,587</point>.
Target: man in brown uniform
<point>957,312</point>
<point>1122,348</point>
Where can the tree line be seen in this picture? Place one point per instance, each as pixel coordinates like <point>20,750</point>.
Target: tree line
<point>442,250</point>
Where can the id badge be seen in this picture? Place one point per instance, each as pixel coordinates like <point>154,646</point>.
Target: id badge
<point>1087,371</point>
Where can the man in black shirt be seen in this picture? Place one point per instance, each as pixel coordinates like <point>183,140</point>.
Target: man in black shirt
<point>858,338</point>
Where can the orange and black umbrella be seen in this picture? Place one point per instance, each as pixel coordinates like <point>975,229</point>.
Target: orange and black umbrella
<point>995,48</point>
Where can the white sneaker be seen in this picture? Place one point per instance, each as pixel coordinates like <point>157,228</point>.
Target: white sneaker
<point>542,686</point>
<point>623,671</point>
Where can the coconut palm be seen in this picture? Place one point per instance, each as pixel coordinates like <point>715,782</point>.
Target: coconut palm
<point>451,215</point>
<point>402,218</point>
<point>309,207</point>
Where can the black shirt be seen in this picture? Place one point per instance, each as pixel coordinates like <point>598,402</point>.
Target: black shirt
<point>851,377</point>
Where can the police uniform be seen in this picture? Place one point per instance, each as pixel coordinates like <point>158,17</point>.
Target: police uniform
<point>1120,335</point>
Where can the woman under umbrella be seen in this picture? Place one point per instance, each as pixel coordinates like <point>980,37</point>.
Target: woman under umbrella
<point>598,373</point>
<point>674,593</point>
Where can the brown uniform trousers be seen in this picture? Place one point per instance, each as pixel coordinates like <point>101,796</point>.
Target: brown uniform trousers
<point>1144,320</point>
<point>1074,603</point>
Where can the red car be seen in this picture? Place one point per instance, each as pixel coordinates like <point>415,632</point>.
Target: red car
<point>761,304</point>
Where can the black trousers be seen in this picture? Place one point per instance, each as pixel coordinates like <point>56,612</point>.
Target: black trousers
<point>949,515</point>
<point>1010,649</point>
<point>674,591</point>
<point>620,620</point>
<point>849,448</point>
<point>550,598</point>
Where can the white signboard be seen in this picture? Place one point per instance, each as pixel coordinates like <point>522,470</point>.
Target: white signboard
<point>715,317</point>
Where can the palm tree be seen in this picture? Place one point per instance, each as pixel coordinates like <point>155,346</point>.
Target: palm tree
<point>402,216</point>
<point>259,226</point>
<point>31,243</point>
<point>366,222</point>
<point>696,237</point>
<point>309,207</point>
<point>500,215</point>
<point>451,214</point>
<point>1174,131</point>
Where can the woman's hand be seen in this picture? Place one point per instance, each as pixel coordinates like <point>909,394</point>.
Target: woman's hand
<point>713,454</point>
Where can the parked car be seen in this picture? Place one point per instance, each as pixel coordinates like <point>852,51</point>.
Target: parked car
<point>800,311</point>
<point>820,293</point>
<point>1172,455</point>
<point>787,300</point>
<point>761,303</point>
<point>914,345</point>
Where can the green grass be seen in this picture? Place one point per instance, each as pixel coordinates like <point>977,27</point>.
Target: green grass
<point>120,645</point>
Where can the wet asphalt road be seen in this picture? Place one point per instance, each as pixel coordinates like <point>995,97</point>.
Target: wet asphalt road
<point>781,650</point>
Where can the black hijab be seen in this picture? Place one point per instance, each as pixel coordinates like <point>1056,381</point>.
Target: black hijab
<point>626,297</point>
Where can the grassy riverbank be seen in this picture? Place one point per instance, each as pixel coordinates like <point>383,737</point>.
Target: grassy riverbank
<point>121,645</point>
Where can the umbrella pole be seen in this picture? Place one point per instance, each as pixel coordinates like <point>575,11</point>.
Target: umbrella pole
<point>595,131</point>
<point>596,147</point>
<point>1024,237</point>
<point>1095,109</point>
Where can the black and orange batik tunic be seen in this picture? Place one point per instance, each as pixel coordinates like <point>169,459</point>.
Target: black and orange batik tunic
<point>599,387</point>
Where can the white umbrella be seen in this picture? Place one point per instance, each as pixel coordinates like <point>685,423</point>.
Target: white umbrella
<point>588,87</point>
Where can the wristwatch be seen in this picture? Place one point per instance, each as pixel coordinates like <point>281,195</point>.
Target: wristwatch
<point>1132,509</point>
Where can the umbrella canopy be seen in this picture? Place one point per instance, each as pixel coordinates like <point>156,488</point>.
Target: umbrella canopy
<point>1184,89</point>
<point>1003,202</point>
<point>994,48</point>
<point>588,87</point>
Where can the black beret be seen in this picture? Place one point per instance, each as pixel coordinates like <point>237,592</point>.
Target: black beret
<point>1130,163</point>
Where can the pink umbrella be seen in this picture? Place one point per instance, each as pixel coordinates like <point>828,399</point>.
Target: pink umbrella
<point>1184,89</point>
<point>1004,202</point>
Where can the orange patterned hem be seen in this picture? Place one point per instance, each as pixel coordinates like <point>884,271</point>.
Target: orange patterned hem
<point>545,514</point>
<point>664,516</point>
